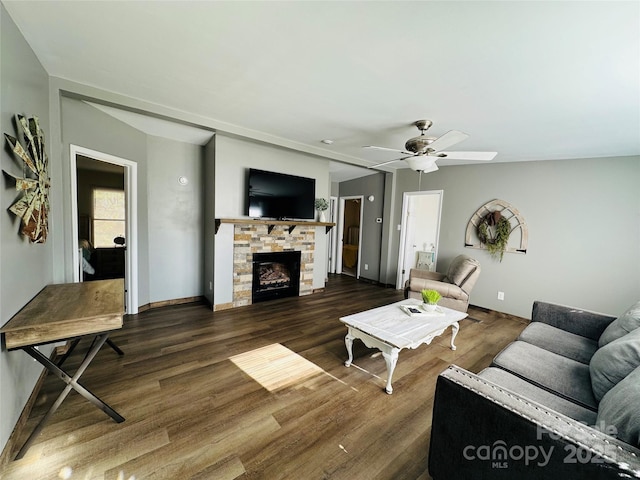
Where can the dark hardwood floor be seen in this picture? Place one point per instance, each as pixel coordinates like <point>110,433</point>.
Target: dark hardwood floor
<point>254,392</point>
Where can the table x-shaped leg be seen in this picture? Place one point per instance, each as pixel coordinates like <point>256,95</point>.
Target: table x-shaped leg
<point>72,383</point>
<point>74,344</point>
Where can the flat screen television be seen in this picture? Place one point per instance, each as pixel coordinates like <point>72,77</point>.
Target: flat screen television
<point>280,195</point>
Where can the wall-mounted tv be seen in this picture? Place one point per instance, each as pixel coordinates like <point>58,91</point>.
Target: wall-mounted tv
<point>280,196</point>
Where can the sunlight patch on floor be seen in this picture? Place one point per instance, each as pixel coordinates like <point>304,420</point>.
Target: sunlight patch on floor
<point>275,366</point>
<point>367,371</point>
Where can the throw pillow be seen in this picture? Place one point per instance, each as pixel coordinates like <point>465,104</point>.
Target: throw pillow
<point>625,323</point>
<point>613,362</point>
<point>460,269</point>
<point>620,408</point>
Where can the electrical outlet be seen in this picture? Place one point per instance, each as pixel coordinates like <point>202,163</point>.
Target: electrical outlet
<point>211,286</point>
<point>366,266</point>
<point>500,295</point>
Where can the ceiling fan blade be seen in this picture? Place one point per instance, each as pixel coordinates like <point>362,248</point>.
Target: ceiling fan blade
<point>480,156</point>
<point>385,163</point>
<point>373,147</point>
<point>450,138</point>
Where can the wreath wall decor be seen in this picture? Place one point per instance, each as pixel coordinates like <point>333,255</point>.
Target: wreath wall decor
<point>491,227</point>
<point>33,206</point>
<point>494,239</point>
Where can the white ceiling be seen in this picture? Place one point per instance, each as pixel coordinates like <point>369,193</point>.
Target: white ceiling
<point>530,80</point>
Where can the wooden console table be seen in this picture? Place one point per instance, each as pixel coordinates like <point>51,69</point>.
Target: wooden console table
<point>63,312</point>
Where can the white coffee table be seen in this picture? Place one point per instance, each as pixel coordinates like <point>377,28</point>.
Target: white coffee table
<point>389,329</point>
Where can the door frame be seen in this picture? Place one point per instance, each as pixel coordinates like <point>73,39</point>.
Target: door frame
<point>340,242</point>
<point>404,228</point>
<point>131,221</point>
<point>333,235</point>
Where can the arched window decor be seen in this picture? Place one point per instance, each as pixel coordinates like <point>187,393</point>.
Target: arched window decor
<point>497,227</point>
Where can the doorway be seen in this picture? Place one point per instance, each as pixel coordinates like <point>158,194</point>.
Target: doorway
<point>332,244</point>
<point>420,232</point>
<point>350,234</point>
<point>119,259</point>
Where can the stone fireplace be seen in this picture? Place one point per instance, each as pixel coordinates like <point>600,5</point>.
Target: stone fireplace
<point>254,239</point>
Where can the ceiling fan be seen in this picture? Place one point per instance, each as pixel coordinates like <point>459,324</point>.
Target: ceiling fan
<point>423,151</point>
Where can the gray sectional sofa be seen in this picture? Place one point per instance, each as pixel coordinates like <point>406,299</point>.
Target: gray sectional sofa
<point>560,402</point>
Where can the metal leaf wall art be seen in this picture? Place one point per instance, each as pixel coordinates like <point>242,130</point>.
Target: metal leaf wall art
<point>33,206</point>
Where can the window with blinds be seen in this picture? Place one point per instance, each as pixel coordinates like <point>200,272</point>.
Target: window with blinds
<point>108,216</point>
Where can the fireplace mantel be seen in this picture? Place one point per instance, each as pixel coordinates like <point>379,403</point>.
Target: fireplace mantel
<point>272,223</point>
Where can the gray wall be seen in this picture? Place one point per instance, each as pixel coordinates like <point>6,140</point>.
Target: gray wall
<point>584,234</point>
<point>26,268</point>
<point>175,219</point>
<point>371,231</point>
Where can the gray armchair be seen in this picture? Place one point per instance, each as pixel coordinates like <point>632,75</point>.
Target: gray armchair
<point>454,286</point>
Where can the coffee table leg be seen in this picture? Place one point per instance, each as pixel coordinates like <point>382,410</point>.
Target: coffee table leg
<point>454,331</point>
<point>348,340</point>
<point>391,358</point>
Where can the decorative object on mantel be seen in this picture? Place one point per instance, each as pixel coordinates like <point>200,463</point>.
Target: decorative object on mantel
<point>33,206</point>
<point>321,205</point>
<point>492,225</point>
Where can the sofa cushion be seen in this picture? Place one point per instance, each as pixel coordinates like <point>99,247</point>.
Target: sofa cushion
<point>613,362</point>
<point>560,375</point>
<point>625,323</point>
<point>620,408</point>
<point>538,395</point>
<point>559,341</point>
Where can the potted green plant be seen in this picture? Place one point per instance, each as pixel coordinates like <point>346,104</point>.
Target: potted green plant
<point>430,299</point>
<point>321,205</point>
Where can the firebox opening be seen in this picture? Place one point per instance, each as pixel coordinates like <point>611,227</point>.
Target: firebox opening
<point>275,275</point>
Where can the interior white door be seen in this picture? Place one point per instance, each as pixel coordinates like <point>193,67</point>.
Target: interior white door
<point>420,230</point>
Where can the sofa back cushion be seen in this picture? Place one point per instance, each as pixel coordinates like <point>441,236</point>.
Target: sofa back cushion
<point>619,410</point>
<point>625,323</point>
<point>463,272</point>
<point>613,362</point>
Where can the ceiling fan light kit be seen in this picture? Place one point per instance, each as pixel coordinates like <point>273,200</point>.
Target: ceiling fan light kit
<point>422,164</point>
<point>423,150</point>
